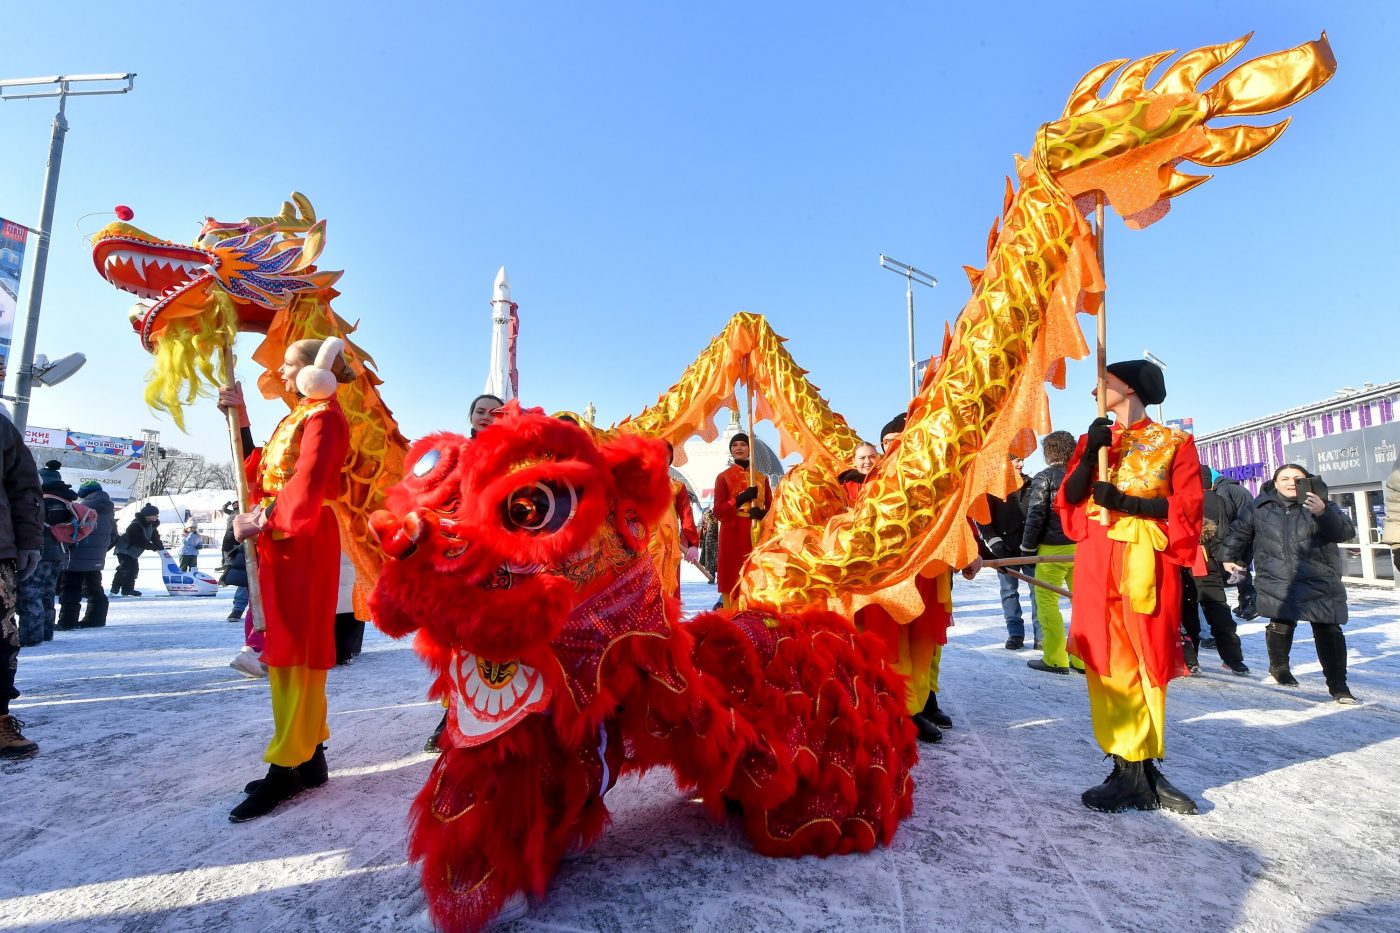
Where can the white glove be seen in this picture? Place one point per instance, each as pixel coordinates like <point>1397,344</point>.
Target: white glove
<point>26,563</point>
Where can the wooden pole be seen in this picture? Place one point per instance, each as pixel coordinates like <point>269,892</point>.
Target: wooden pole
<point>753,451</point>
<point>1102,340</point>
<point>1034,582</point>
<point>250,545</point>
<point>997,563</point>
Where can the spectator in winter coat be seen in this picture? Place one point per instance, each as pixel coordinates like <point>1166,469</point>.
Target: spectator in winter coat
<point>85,564</point>
<point>1298,573</point>
<point>235,568</point>
<point>1390,532</point>
<point>189,548</point>
<point>37,614</point>
<point>1203,589</point>
<point>1045,537</point>
<point>140,536</point>
<point>1237,502</point>
<point>21,540</point>
<point>1001,538</point>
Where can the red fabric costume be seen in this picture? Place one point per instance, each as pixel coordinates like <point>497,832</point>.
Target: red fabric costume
<point>690,537</point>
<point>1151,461</point>
<point>519,559</point>
<point>735,531</point>
<point>296,475</point>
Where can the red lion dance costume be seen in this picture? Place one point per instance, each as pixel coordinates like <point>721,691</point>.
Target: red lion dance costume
<point>520,559</point>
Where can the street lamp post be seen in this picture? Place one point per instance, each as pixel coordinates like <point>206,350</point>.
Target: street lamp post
<point>911,275</point>
<point>19,379</point>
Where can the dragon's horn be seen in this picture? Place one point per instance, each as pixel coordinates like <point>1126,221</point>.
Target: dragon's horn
<point>1272,82</point>
<point>1085,95</point>
<point>298,216</point>
<point>1187,71</point>
<point>1230,144</point>
<point>1130,82</point>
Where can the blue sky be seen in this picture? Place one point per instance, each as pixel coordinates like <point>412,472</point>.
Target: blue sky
<point>645,170</point>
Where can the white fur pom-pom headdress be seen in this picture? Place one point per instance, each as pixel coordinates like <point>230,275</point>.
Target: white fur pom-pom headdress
<point>317,381</point>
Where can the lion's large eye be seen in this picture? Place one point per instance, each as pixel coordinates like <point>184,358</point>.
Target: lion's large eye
<point>424,465</point>
<point>541,508</point>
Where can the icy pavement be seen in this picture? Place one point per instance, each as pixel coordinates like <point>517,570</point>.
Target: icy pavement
<point>148,737</point>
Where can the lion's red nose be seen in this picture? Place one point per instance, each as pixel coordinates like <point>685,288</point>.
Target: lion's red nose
<point>398,538</point>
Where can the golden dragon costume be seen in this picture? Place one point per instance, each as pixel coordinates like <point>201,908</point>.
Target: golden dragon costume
<point>256,276</point>
<point>986,397</point>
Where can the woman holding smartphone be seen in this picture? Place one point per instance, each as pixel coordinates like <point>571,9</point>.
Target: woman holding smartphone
<point>1298,571</point>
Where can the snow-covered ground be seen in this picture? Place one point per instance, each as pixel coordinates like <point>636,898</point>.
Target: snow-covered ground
<point>147,738</point>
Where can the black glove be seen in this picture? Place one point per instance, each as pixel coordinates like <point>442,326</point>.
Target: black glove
<point>748,495</point>
<point>1002,550</point>
<point>1077,483</point>
<point>1110,497</point>
<point>756,514</point>
<point>1100,434</point>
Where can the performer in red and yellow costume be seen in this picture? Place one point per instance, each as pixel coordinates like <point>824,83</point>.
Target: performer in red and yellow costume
<point>741,498</point>
<point>294,478</point>
<point>1127,580</point>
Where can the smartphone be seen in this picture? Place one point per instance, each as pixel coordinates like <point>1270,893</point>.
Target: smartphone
<point>1302,488</point>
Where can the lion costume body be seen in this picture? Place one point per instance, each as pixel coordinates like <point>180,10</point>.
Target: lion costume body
<point>519,558</point>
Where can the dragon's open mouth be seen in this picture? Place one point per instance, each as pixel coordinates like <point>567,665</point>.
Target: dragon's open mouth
<point>157,273</point>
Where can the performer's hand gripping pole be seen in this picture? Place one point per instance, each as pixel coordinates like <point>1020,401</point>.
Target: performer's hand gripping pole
<point>1102,341</point>
<point>250,545</point>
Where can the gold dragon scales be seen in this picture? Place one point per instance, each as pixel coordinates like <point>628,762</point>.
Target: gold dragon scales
<point>985,396</point>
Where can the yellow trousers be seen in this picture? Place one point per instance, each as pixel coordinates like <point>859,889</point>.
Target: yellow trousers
<point>1129,714</point>
<point>298,715</point>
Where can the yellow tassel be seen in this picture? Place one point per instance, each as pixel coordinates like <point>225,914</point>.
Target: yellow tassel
<point>184,367</point>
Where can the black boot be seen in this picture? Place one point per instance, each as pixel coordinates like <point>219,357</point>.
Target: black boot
<point>1125,788</point>
<point>1167,795</point>
<point>1190,655</point>
<point>313,772</point>
<point>1278,639</point>
<point>281,784</point>
<point>928,732</point>
<point>935,715</point>
<point>432,744</point>
<point>1332,652</point>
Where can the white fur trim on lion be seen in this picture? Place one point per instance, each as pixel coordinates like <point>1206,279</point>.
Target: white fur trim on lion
<point>317,381</point>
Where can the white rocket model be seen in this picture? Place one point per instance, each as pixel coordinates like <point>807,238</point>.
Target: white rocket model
<point>498,376</point>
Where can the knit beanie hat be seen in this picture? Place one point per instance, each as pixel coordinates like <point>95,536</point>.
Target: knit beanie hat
<point>87,486</point>
<point>1144,377</point>
<point>895,426</point>
<point>50,475</point>
<point>736,438</point>
<point>148,510</point>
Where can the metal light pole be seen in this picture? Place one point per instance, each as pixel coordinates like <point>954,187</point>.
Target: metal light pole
<point>19,379</point>
<point>911,275</point>
<point>1147,355</point>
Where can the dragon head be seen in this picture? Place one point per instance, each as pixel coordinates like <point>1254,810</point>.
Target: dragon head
<point>1128,142</point>
<point>259,264</point>
<point>494,540</point>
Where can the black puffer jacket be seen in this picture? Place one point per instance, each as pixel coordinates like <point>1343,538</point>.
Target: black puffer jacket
<point>1042,523</point>
<point>1001,536</point>
<point>91,553</point>
<point>1297,567</point>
